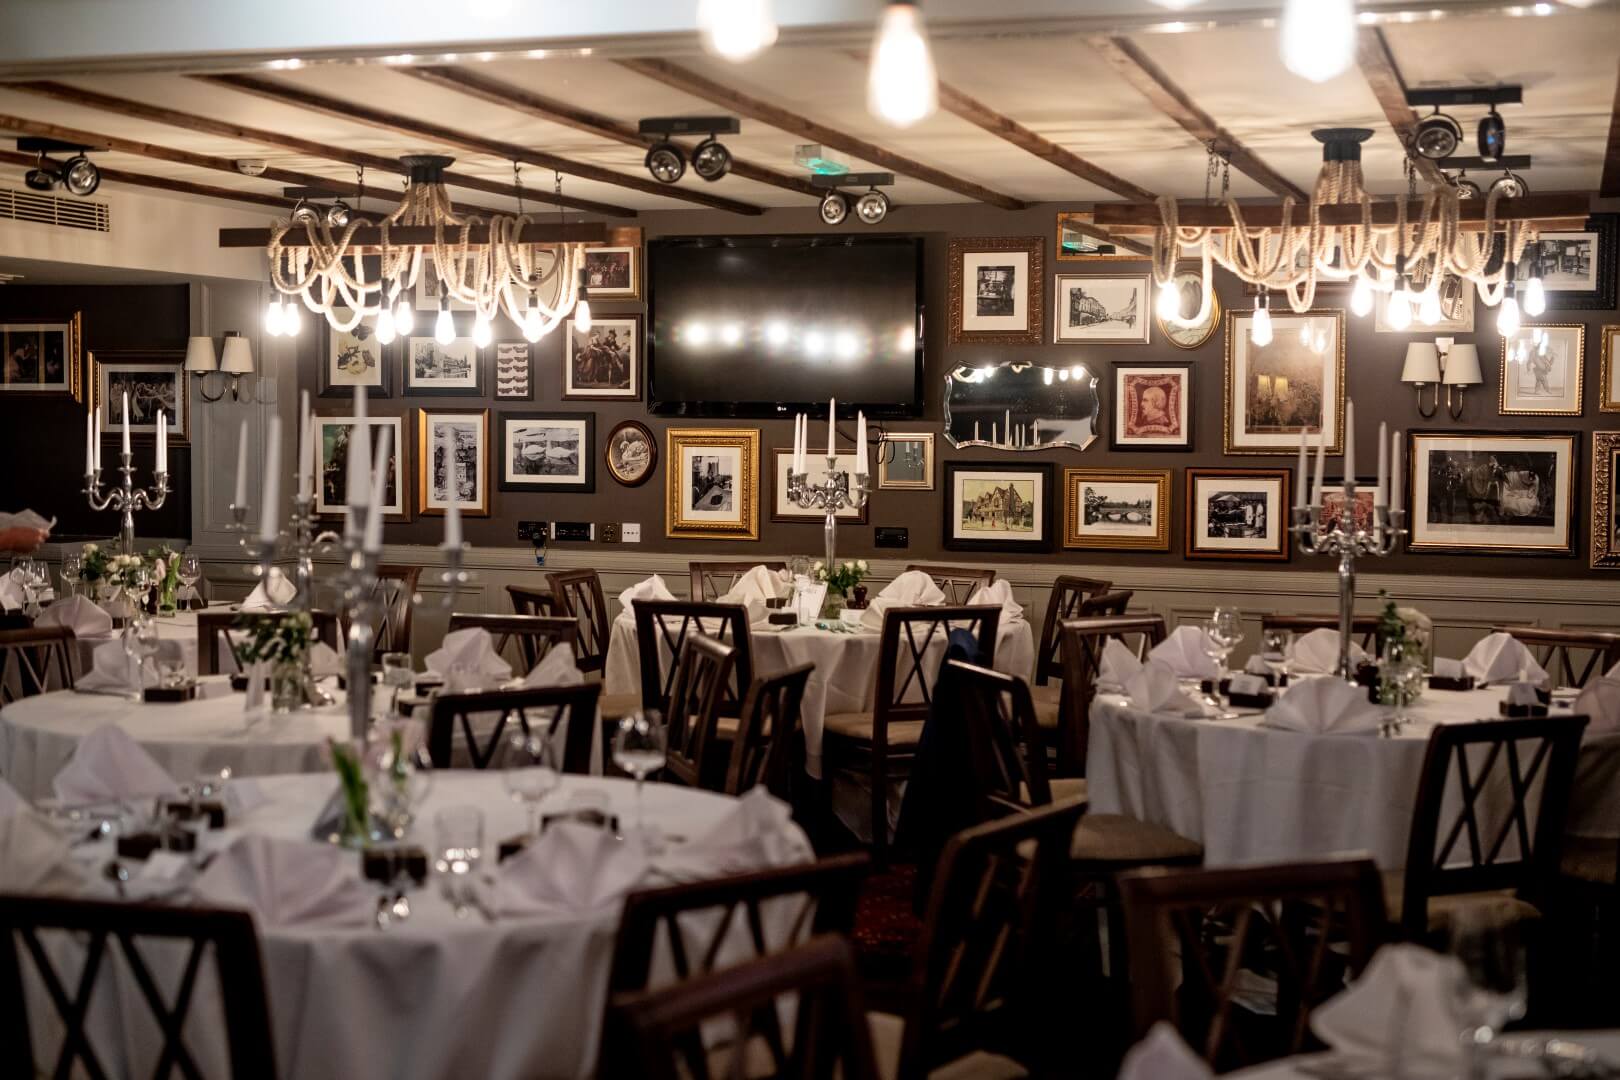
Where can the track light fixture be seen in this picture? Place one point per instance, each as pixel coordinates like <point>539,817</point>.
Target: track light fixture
<point>78,174</point>
<point>834,207</point>
<point>711,160</point>
<point>667,161</point>
<point>1437,136</point>
<point>871,207</point>
<point>1492,136</point>
<point>337,215</point>
<point>1511,185</point>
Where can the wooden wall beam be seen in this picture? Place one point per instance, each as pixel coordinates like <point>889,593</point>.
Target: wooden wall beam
<point>1378,68</point>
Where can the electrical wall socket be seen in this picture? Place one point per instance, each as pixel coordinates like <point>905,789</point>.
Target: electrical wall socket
<point>631,532</point>
<point>534,531</point>
<point>610,533</point>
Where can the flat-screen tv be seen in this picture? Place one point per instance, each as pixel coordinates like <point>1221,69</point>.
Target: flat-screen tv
<point>764,325</point>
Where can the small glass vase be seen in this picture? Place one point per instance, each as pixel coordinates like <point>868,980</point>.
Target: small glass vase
<point>167,601</point>
<point>834,605</point>
<point>286,686</point>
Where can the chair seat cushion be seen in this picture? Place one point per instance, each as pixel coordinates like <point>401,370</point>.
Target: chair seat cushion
<point>1590,859</point>
<point>889,1030</point>
<point>1048,701</point>
<point>1499,906</point>
<point>1115,838</point>
<point>618,706</point>
<point>858,727</point>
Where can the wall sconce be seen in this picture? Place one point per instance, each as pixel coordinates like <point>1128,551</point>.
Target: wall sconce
<point>1461,366</point>
<point>1445,364</point>
<point>237,361</point>
<point>1422,367</point>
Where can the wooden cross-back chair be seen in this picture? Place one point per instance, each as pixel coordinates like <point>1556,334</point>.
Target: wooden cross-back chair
<point>112,936</point>
<point>1083,644</point>
<point>484,719</point>
<point>958,583</point>
<point>215,655</point>
<point>1049,697</point>
<point>394,592</point>
<point>36,661</point>
<point>769,746</point>
<point>577,594</point>
<point>712,580</point>
<point>1068,593</point>
<point>1507,772</point>
<point>1364,628</point>
<point>659,1035</point>
<point>693,755</point>
<point>1194,934</point>
<point>882,743</point>
<point>530,601</point>
<point>1560,651</point>
<point>662,627</point>
<point>525,639</point>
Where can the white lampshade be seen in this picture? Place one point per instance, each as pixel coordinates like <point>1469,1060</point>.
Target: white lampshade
<point>1422,363</point>
<point>200,354</point>
<point>1462,366</point>
<point>238,355</point>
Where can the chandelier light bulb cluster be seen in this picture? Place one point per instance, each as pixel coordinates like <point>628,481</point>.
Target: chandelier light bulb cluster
<point>1319,38</point>
<point>281,318</point>
<point>902,86</point>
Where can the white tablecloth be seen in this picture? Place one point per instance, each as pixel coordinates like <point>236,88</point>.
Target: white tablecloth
<point>181,628</point>
<point>1605,1043</point>
<point>437,996</point>
<point>846,666</point>
<point>1255,794</point>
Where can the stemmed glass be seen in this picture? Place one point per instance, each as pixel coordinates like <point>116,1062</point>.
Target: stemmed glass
<point>638,749</point>
<point>72,566</point>
<point>1489,990</point>
<point>1221,635</point>
<point>33,576</point>
<point>146,643</point>
<point>404,777</point>
<point>190,571</point>
<point>1402,670</point>
<point>798,570</point>
<point>1274,654</point>
<point>529,772</point>
<point>398,674</point>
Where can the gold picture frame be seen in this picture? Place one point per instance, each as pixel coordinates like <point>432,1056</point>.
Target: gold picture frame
<point>1236,435</point>
<point>27,338</point>
<point>428,502</point>
<point>1609,372</point>
<point>1605,523</point>
<point>888,447</point>
<point>989,293</point>
<point>1111,529</point>
<point>1522,402</point>
<point>726,462</point>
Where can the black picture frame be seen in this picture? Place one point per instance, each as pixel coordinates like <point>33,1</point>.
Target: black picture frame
<point>950,542</point>
<point>387,358</point>
<point>1603,298</point>
<point>1119,368</point>
<point>528,371</point>
<point>587,455</point>
<point>481,363</point>
<point>1419,452</point>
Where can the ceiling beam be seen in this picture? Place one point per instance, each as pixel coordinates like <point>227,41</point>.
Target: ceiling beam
<point>1558,207</point>
<point>1609,186</point>
<point>164,183</point>
<point>207,125</point>
<point>1153,83</point>
<point>690,82</point>
<point>573,232</point>
<point>1377,65</point>
<point>510,96</point>
<point>286,94</point>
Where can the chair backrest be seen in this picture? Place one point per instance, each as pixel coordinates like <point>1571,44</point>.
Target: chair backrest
<point>982,975</point>
<point>769,745</point>
<point>908,666</point>
<point>1083,643</point>
<point>702,673</point>
<point>523,640</point>
<point>659,1035</point>
<point>36,661</point>
<point>215,656</point>
<point>1191,933</point>
<point>662,627</point>
<point>958,583</point>
<point>1363,627</point>
<point>577,594</point>
<point>530,601</point>
<point>111,936</point>
<point>483,718</point>
<point>1067,593</point>
<point>1009,761</point>
<point>712,580</point>
<point>394,592</point>
<point>1491,805</point>
<point>1559,651</point>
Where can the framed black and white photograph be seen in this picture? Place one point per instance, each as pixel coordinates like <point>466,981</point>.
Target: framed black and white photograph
<point>427,294</point>
<point>1578,269</point>
<point>1543,369</point>
<point>40,357</point>
<point>905,461</point>
<point>995,507</point>
<point>603,362</point>
<point>996,285</point>
<point>613,273</point>
<point>1101,309</point>
<point>452,451</point>
<point>1152,406</point>
<point>1116,508</point>
<point>1609,371</point>
<point>548,452</point>
<point>1196,321</point>
<point>1293,383</point>
<point>332,437</point>
<point>631,453</point>
<point>1490,493</point>
<point>712,486</point>
<point>434,370</point>
<point>1237,514</point>
<point>354,358</point>
<point>513,379</point>
<point>155,381</point>
<point>1605,500</point>
<point>785,509</point>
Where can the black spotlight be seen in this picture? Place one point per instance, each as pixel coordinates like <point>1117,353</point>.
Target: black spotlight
<point>1492,135</point>
<point>305,213</point>
<point>872,207</point>
<point>1466,188</point>
<point>710,160</point>
<point>42,178</point>
<point>1437,136</point>
<point>667,164</point>
<point>1511,185</point>
<point>80,176</point>
<point>834,207</point>
<point>338,214</point>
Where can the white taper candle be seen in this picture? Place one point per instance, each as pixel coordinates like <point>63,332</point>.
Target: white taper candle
<point>1349,451</point>
<point>860,443</point>
<point>270,512</point>
<point>1383,465</point>
<point>161,464</point>
<point>126,421</point>
<point>241,463</point>
<point>1301,488</point>
<point>832,425</point>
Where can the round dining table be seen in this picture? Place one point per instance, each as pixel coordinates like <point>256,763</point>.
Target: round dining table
<point>1251,793</point>
<point>1327,1066</point>
<point>180,628</point>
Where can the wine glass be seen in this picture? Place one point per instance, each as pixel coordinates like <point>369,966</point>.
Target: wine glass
<point>398,674</point>
<point>147,641</point>
<point>1274,654</point>
<point>72,566</point>
<point>1225,631</point>
<point>190,572</point>
<point>32,576</point>
<point>404,778</point>
<point>799,571</point>
<point>638,749</point>
<point>1489,990</point>
<point>529,772</point>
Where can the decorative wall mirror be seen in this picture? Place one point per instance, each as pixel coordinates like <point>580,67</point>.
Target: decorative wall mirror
<point>1021,406</point>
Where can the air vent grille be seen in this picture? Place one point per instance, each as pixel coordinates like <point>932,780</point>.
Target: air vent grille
<point>69,213</point>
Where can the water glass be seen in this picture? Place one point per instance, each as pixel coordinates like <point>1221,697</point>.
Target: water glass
<point>529,772</point>
<point>1274,654</point>
<point>458,840</point>
<point>398,674</point>
<point>638,749</point>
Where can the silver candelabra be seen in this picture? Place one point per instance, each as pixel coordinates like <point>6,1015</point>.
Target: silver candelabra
<point>126,498</point>
<point>1320,534</point>
<point>837,492</point>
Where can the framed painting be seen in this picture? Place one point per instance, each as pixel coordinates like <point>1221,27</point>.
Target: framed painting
<point>1187,330</point>
<point>42,357</point>
<point>1486,492</point>
<point>434,370</point>
<point>354,358</point>
<point>906,461</point>
<point>631,453</point>
<point>1152,406</point>
<point>712,489</point>
<point>513,378</point>
<point>1237,514</point>
<point>1578,269</point>
<point>1116,508</point>
<point>1543,368</point>
<point>996,285</point>
<point>332,435</point>
<point>1609,373</point>
<point>548,452</point>
<point>613,273</point>
<point>452,461</point>
<point>785,509</point>
<point>604,362</point>
<point>427,293</point>
<point>1605,500</point>
<point>1330,506</point>
<point>1293,383</point>
<point>1100,309</point>
<point>154,379</point>
<point>994,507</point>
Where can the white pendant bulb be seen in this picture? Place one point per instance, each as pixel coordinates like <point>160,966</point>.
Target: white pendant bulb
<point>1429,311</point>
<point>1305,332</point>
<point>902,86</point>
<point>1507,316</point>
<point>582,315</point>
<point>274,321</point>
<point>482,335</point>
<point>1535,297</point>
<point>1399,315</point>
<point>1169,302</point>
<point>1361,297</point>
<point>736,29</point>
<point>385,326</point>
<point>1261,331</point>
<point>1319,38</point>
<point>533,328</point>
<point>444,327</point>
<point>291,323</point>
<point>404,317</point>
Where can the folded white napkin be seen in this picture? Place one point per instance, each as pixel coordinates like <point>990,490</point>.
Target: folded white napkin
<point>114,671</point>
<point>1501,658</point>
<point>1599,702</point>
<point>1522,693</point>
<point>1163,1055</point>
<point>914,588</point>
<point>1398,1018</point>
<point>759,583</point>
<point>1117,665</point>
<point>35,857</point>
<point>999,592</point>
<point>1324,705</point>
<point>1256,665</point>
<point>1447,668</point>
<point>288,882</point>
<point>79,614</point>
<point>652,588</point>
<point>110,766</point>
<point>1156,689</point>
<point>324,660</point>
<point>12,596</point>
<point>272,594</point>
<point>1183,653</point>
<point>10,801</point>
<point>470,654</point>
<point>556,668</point>
<point>1317,653</point>
<point>573,867</point>
<point>755,833</point>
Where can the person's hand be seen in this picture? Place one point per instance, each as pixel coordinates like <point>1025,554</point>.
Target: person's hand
<point>21,539</point>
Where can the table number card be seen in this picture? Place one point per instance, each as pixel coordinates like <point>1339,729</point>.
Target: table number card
<point>810,599</point>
